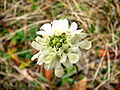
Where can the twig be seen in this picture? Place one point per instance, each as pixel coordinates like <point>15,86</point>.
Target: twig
<point>100,64</point>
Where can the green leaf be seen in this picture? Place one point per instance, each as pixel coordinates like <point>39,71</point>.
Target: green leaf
<point>70,80</point>
<point>63,82</point>
<point>19,36</point>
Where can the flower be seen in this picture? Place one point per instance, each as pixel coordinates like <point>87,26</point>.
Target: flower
<point>59,45</point>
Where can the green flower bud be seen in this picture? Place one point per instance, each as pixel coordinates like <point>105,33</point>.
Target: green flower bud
<point>59,44</point>
<point>51,38</point>
<point>56,39</point>
<point>50,42</point>
<point>65,42</point>
<point>63,36</point>
<point>54,42</point>
<point>52,45</point>
<point>54,35</point>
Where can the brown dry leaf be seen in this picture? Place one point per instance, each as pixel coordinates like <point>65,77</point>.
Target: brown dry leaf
<point>80,85</point>
<point>14,57</point>
<point>47,74</point>
<point>117,87</point>
<point>24,73</point>
<point>111,53</point>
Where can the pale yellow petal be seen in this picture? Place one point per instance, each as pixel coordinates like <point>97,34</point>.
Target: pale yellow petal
<point>59,72</point>
<point>74,58</point>
<point>48,59</point>
<point>75,39</point>
<point>38,39</point>
<point>67,64</point>
<point>40,59</point>
<point>36,45</point>
<point>78,31</point>
<point>35,56</point>
<point>63,58</point>
<point>85,44</point>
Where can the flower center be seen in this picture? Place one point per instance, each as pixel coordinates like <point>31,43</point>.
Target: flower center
<point>57,41</point>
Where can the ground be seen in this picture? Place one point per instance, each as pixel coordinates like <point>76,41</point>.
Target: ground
<point>99,68</point>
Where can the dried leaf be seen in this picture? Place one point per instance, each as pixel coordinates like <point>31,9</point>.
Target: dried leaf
<point>81,85</point>
<point>47,74</point>
<point>24,73</point>
<point>117,87</point>
<point>102,51</point>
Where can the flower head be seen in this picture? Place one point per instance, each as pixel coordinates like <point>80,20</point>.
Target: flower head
<point>59,45</point>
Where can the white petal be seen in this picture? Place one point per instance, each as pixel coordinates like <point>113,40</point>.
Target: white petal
<point>67,64</point>
<point>82,35</point>
<point>85,44</point>
<point>46,39</point>
<point>36,45</point>
<point>73,57</point>
<point>63,58</point>
<point>35,56</point>
<point>73,49</point>
<point>55,25</point>
<point>65,46</point>
<point>48,59</point>
<point>40,59</point>
<point>38,39</point>
<point>59,72</point>
<point>58,65</point>
<point>60,52</point>
<point>47,27</point>
<point>59,25</point>
<point>65,24</point>
<point>75,39</point>
<point>41,32</point>
<point>73,26</point>
<point>78,31</point>
<point>80,54</point>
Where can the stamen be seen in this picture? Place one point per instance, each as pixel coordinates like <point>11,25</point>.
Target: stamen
<point>57,41</point>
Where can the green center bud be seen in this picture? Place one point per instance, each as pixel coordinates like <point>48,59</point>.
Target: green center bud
<point>57,41</point>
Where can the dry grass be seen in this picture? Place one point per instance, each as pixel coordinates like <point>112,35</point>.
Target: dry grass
<point>100,19</point>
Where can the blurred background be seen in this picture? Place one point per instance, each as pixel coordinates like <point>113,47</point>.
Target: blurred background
<point>100,66</point>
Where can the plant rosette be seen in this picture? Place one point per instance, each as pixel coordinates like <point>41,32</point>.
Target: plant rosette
<point>59,44</point>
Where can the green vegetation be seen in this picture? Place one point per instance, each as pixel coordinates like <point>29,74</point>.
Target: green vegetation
<point>21,19</point>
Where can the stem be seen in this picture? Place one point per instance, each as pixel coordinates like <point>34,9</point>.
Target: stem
<point>75,75</point>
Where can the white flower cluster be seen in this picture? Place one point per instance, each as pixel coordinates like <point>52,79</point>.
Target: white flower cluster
<point>59,45</point>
